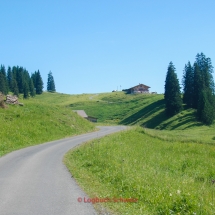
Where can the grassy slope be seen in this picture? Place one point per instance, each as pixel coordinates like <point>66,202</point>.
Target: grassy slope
<point>38,121</point>
<point>167,177</point>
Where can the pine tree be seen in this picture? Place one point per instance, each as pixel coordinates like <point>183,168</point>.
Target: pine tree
<point>4,79</point>
<point>188,85</point>
<point>204,99</point>
<point>10,78</point>
<point>197,85</point>
<point>25,90</point>
<point>205,111</point>
<point>50,83</point>
<point>3,87</point>
<point>31,88</point>
<point>39,83</point>
<point>15,88</point>
<point>172,93</point>
<point>19,78</point>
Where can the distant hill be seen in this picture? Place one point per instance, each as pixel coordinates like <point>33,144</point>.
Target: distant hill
<point>146,110</point>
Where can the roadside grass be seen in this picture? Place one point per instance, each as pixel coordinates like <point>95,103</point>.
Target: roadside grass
<point>37,122</point>
<point>167,176</point>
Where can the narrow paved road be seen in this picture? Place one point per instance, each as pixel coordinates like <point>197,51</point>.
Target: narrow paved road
<point>34,180</point>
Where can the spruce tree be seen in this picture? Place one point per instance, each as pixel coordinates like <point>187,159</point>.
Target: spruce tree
<point>25,90</point>
<point>188,85</point>
<point>15,88</point>
<point>19,78</point>
<point>205,111</point>
<point>197,85</point>
<point>4,79</point>
<point>172,93</point>
<point>39,83</point>
<point>10,78</point>
<point>50,83</point>
<point>3,87</point>
<point>31,88</point>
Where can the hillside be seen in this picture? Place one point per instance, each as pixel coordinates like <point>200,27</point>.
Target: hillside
<point>38,121</point>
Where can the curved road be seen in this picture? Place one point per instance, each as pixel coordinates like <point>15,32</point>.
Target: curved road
<point>34,180</point>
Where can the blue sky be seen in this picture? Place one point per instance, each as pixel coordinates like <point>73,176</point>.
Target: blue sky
<point>94,46</point>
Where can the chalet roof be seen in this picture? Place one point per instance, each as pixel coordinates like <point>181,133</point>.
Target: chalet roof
<point>81,113</point>
<point>140,85</point>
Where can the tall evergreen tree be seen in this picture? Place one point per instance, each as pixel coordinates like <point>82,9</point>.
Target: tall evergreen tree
<point>19,78</point>
<point>10,78</point>
<point>188,85</point>
<point>25,90</point>
<point>172,93</point>
<point>205,111</point>
<point>39,83</point>
<point>4,79</point>
<point>31,88</point>
<point>50,83</point>
<point>3,87</point>
<point>204,100</point>
<point>197,85</point>
<point>15,88</point>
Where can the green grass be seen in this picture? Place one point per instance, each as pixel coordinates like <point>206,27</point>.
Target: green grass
<point>166,175</point>
<point>38,122</point>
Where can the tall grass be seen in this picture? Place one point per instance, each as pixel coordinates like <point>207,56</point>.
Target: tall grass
<point>167,177</point>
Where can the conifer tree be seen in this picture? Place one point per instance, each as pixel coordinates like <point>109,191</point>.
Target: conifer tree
<point>15,88</point>
<point>204,99</point>
<point>172,93</point>
<point>3,87</point>
<point>31,88</point>
<point>50,83</point>
<point>4,80</point>
<point>188,85</point>
<point>205,111</point>
<point>10,78</point>
<point>197,85</point>
<point>39,83</point>
<point>25,90</point>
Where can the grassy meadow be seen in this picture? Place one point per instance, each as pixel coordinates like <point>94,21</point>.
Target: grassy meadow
<point>166,175</point>
<point>168,164</point>
<point>38,121</point>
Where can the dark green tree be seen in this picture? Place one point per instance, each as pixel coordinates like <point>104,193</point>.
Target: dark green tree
<point>197,85</point>
<point>205,111</point>
<point>15,88</point>
<point>204,99</point>
<point>50,83</point>
<point>25,90</point>
<point>19,78</point>
<point>172,93</point>
<point>31,88</point>
<point>4,79</point>
<point>3,87</point>
<point>10,78</point>
<point>39,83</point>
<point>188,85</point>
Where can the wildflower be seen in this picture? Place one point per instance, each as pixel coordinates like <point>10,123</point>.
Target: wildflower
<point>178,191</point>
<point>170,194</point>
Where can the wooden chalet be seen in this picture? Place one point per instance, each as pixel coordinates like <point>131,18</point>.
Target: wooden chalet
<point>140,88</point>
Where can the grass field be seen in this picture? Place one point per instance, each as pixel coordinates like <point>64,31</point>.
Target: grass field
<point>38,121</point>
<point>166,175</point>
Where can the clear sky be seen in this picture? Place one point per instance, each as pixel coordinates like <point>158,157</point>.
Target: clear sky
<point>94,46</point>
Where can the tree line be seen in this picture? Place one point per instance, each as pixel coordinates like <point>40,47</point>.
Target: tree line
<point>18,81</point>
<point>198,89</point>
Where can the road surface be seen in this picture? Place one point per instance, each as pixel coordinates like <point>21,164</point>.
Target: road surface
<point>34,180</point>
